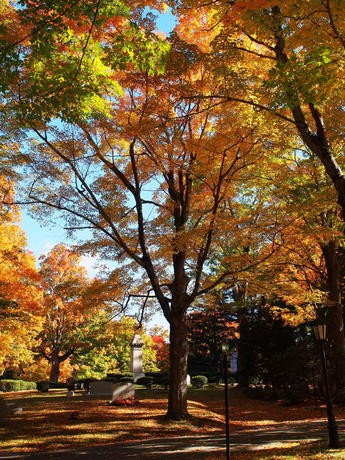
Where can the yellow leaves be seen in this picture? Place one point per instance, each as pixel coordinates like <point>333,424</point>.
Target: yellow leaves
<point>20,294</point>
<point>18,335</point>
<point>299,315</point>
<point>199,28</point>
<point>240,7</point>
<point>17,269</point>
<point>7,214</point>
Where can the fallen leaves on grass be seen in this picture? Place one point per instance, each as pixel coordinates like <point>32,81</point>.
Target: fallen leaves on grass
<point>53,421</point>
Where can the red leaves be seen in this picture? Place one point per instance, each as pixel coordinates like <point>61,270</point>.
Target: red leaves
<point>130,401</point>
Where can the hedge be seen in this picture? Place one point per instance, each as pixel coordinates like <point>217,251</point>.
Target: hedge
<point>8,385</point>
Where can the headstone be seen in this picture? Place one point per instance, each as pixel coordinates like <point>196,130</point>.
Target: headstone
<point>233,362</point>
<point>101,388</point>
<point>136,363</point>
<point>188,380</point>
<point>123,390</point>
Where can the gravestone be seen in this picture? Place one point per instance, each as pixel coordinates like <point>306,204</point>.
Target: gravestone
<point>233,362</point>
<point>123,390</point>
<point>136,364</point>
<point>101,388</point>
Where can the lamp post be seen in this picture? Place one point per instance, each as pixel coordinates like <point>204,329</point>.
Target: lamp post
<point>225,350</point>
<point>319,331</point>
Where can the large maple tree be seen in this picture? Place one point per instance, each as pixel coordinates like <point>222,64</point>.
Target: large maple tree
<point>158,183</point>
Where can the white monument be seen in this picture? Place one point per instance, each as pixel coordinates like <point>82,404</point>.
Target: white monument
<point>123,390</point>
<point>136,365</point>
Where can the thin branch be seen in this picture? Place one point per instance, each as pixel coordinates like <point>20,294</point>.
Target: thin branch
<point>86,42</point>
<point>259,42</point>
<point>106,162</point>
<point>93,199</point>
<point>337,34</point>
<point>264,56</point>
<point>232,273</point>
<point>243,101</point>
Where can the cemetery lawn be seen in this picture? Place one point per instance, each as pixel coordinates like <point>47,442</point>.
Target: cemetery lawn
<point>53,421</point>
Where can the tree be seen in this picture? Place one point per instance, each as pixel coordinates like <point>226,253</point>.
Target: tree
<point>160,176</point>
<point>58,59</point>
<point>67,307</point>
<point>288,72</point>
<point>278,354</point>
<point>161,347</point>
<point>313,246</point>
<point>159,187</point>
<point>19,329</point>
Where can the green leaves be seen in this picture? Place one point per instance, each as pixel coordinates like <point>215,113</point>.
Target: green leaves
<point>67,63</point>
<point>143,49</point>
<point>305,77</point>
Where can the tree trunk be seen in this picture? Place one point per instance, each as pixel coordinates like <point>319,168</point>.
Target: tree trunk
<point>177,406</point>
<point>330,252</point>
<point>316,140</point>
<point>55,368</point>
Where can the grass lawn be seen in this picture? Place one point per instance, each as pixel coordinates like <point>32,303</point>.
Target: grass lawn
<point>51,421</point>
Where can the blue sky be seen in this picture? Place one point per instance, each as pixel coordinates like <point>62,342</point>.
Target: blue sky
<point>166,22</point>
<point>43,238</point>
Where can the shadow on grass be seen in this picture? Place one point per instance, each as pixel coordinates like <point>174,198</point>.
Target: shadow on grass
<point>54,421</point>
<point>311,450</point>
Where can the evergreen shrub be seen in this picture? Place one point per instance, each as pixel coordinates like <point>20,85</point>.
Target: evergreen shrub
<point>43,386</point>
<point>146,381</point>
<point>199,381</point>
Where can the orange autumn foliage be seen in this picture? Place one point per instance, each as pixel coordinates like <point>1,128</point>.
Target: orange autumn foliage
<point>20,295</point>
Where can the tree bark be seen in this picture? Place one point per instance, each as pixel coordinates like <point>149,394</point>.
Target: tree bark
<point>330,252</point>
<point>55,368</point>
<point>177,406</point>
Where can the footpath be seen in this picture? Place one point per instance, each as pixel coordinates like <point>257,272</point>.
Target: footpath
<point>194,447</point>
